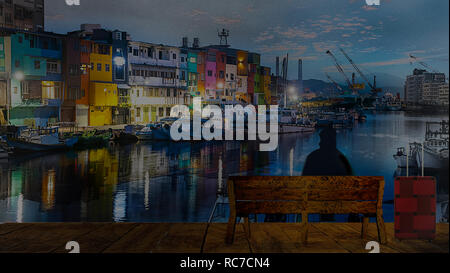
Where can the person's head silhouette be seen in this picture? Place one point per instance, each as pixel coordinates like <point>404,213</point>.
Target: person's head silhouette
<point>328,138</point>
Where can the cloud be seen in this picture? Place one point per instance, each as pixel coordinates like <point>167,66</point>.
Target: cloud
<point>226,21</point>
<point>369,8</point>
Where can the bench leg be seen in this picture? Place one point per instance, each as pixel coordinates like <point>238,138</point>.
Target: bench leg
<point>365,226</point>
<point>231,228</point>
<point>247,227</point>
<point>304,229</point>
<point>381,229</point>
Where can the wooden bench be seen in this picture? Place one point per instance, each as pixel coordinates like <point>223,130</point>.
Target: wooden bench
<point>304,195</point>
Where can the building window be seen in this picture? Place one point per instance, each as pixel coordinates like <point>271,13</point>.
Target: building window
<point>182,59</point>
<point>168,111</point>
<point>107,68</point>
<point>160,111</point>
<point>135,52</point>
<point>209,73</point>
<point>52,67</point>
<point>174,56</point>
<point>138,112</point>
<point>221,74</point>
<point>99,67</point>
<point>130,49</point>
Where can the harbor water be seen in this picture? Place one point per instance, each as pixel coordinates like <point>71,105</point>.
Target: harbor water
<point>180,182</point>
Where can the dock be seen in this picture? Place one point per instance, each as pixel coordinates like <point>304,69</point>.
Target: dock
<point>205,238</point>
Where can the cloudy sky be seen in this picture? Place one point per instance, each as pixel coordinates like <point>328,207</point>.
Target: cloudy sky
<point>379,39</point>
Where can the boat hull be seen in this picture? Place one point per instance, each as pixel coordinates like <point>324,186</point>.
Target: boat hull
<point>432,160</point>
<point>143,137</point>
<point>29,146</point>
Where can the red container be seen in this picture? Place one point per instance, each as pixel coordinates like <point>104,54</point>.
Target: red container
<point>415,207</point>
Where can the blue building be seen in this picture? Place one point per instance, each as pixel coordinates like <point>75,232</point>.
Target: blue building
<point>32,65</point>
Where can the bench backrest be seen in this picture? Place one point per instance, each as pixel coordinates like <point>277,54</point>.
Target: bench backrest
<point>305,194</point>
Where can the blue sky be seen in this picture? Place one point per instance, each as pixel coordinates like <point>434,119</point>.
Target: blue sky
<point>379,38</point>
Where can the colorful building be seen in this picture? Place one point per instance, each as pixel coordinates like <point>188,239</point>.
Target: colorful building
<point>201,71</point>
<point>254,82</point>
<point>221,59</point>
<point>192,64</point>
<point>91,96</point>
<point>243,92</point>
<point>211,73</point>
<point>30,67</point>
<point>154,80</point>
<point>265,84</point>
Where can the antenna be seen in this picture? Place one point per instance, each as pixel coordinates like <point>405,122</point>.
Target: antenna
<point>223,35</point>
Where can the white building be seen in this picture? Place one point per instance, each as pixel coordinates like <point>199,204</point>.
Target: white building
<point>422,88</point>
<point>154,72</point>
<point>443,94</point>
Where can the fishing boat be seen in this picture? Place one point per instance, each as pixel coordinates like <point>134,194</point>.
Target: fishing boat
<point>435,146</point>
<point>146,132</point>
<point>5,151</point>
<point>404,158</point>
<point>161,131</point>
<point>41,140</point>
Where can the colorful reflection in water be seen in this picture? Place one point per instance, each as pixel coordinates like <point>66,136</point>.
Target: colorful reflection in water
<point>179,182</point>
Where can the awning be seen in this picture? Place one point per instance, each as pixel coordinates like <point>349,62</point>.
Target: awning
<point>123,86</point>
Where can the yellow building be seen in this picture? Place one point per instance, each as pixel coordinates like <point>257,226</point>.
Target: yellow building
<point>103,94</point>
<point>266,83</point>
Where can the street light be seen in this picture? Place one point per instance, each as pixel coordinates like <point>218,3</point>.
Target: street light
<point>18,75</point>
<point>119,61</point>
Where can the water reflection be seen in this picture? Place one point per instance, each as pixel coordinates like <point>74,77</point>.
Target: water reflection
<point>179,182</point>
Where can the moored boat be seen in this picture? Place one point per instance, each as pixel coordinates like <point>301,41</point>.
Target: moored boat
<point>146,133</point>
<point>40,140</point>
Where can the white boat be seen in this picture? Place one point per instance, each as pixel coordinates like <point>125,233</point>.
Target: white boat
<point>435,153</point>
<point>145,133</point>
<point>435,146</point>
<point>401,158</point>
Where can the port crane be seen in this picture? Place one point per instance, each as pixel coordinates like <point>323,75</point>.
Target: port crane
<point>335,83</point>
<point>373,87</point>
<point>339,68</point>
<point>423,64</point>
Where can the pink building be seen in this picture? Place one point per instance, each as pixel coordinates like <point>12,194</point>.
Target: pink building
<point>210,74</point>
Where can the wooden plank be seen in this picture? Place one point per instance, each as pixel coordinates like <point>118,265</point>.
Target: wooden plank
<point>285,238</point>
<point>288,207</point>
<point>215,240</point>
<point>10,227</point>
<point>347,236</point>
<point>182,238</point>
<point>43,237</point>
<point>99,239</point>
<point>404,246</point>
<point>142,239</point>
<point>306,182</point>
<point>312,195</point>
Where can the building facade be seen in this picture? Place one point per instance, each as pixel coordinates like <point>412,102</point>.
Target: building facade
<point>31,77</point>
<point>22,14</point>
<point>154,81</point>
<point>422,87</point>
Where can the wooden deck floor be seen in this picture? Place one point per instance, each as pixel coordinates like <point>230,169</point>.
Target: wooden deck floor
<point>201,237</point>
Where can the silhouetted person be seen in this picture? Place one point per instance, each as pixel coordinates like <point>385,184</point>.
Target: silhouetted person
<point>328,161</point>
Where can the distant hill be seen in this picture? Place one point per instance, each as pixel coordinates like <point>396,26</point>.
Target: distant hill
<point>387,82</point>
